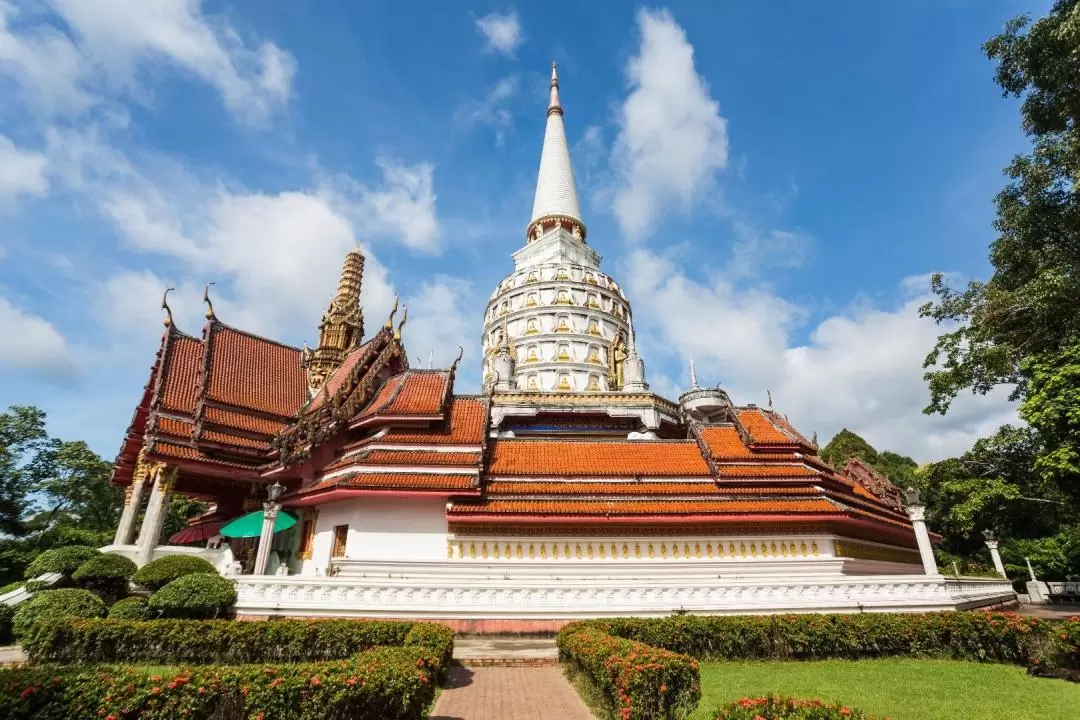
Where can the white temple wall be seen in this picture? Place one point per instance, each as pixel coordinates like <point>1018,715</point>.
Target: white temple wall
<point>380,528</point>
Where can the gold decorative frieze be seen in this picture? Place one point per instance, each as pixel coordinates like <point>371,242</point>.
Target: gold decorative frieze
<point>743,549</point>
<point>861,551</point>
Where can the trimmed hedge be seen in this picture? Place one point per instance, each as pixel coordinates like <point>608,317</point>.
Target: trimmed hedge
<point>197,596</point>
<point>156,574</point>
<point>131,608</point>
<point>182,642</point>
<point>636,681</point>
<point>380,684</point>
<point>64,560</point>
<point>6,614</point>
<point>781,708</point>
<point>106,574</point>
<point>54,604</point>
<point>980,636</point>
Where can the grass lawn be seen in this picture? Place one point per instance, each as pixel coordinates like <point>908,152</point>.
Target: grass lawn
<point>902,689</point>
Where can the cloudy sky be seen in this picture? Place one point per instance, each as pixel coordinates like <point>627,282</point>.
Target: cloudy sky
<point>772,184</point>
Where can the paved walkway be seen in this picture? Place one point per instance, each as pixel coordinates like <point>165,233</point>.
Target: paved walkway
<point>515,693</point>
<point>504,649</point>
<point>11,655</point>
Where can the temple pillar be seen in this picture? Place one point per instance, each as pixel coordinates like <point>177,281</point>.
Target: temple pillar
<point>154,518</point>
<point>996,557</point>
<point>133,494</point>
<point>266,538</point>
<point>917,513</point>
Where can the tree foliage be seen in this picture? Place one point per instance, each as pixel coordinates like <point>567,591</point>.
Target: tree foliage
<point>899,469</point>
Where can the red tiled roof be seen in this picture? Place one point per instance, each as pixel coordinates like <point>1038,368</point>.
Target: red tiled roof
<point>422,394</point>
<point>251,372</point>
<point>465,424</point>
<point>337,378</point>
<point>675,458</point>
<point>176,428</point>
<point>221,438</point>
<point>242,421</point>
<point>420,457</point>
<point>180,377</point>
<point>762,430</point>
<point>643,507</point>
<point>765,470</point>
<point>403,481</point>
<point>186,452</point>
<point>673,489</point>
<point>724,441</point>
<point>384,396</point>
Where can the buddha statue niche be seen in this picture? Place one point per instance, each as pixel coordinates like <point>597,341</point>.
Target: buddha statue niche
<point>590,278</point>
<point>532,355</point>
<point>532,383</point>
<point>564,353</point>
<point>530,300</point>
<point>561,275</point>
<point>563,297</point>
<point>594,383</point>
<point>531,278</point>
<point>564,383</point>
<point>594,303</point>
<point>594,357</point>
<point>504,308</point>
<point>531,328</point>
<point>563,325</point>
<point>594,327</point>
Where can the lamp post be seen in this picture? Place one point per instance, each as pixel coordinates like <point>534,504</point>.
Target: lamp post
<point>916,510</point>
<point>992,543</point>
<point>266,538</point>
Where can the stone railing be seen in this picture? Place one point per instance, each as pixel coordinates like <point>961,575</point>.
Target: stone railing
<point>444,593</point>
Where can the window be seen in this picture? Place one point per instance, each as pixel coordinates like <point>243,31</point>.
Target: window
<point>307,536</point>
<point>341,535</point>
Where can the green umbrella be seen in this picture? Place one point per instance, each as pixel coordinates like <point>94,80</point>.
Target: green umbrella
<point>250,525</point>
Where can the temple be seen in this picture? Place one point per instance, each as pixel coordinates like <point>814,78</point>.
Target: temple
<point>564,489</point>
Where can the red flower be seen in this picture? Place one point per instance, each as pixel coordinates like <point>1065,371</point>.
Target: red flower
<point>155,690</point>
<point>27,692</point>
<point>845,711</point>
<point>314,681</point>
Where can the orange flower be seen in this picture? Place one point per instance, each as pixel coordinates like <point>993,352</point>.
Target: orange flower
<point>314,681</point>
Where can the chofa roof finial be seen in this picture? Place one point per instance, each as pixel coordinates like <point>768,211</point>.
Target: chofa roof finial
<point>460,353</point>
<point>209,305</point>
<point>404,317</point>
<point>393,311</point>
<point>165,307</point>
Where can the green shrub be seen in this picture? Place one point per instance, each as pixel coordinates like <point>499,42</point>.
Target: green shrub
<point>180,642</point>
<point>380,684</point>
<point>106,574</point>
<point>1059,656</point>
<point>6,614</point>
<point>780,708</point>
<point>64,560</point>
<point>202,595</point>
<point>131,608</point>
<point>156,574</point>
<point>636,681</point>
<point>48,604</point>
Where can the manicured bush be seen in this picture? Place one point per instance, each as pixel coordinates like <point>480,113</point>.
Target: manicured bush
<point>49,604</point>
<point>1060,655</point>
<point>979,636</point>
<point>131,608</point>
<point>636,681</point>
<point>156,574</point>
<point>780,708</point>
<point>180,642</point>
<point>201,595</point>
<point>64,560</point>
<point>6,614</point>
<point>106,574</point>
<point>384,683</point>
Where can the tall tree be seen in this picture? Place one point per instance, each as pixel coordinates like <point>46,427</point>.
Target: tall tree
<point>25,459</point>
<point>899,469</point>
<point>76,490</point>
<point>1030,307</point>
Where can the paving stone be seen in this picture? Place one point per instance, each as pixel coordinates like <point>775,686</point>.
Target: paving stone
<point>501,693</point>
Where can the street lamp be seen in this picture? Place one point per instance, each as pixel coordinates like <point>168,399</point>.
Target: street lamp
<point>992,544</point>
<point>274,491</point>
<point>917,512</point>
<point>266,538</point>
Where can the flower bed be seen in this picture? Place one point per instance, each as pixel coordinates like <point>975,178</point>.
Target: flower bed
<point>636,681</point>
<point>979,636</point>
<point>778,708</point>
<point>378,684</point>
<point>180,642</point>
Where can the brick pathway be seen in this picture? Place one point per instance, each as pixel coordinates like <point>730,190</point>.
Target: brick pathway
<point>508,693</point>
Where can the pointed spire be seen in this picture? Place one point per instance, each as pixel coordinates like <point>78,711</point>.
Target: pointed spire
<point>556,193</point>
<point>693,374</point>
<point>342,326</point>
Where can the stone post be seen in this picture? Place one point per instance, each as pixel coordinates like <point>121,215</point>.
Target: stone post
<point>156,509</point>
<point>992,544</point>
<point>133,494</point>
<point>266,538</point>
<point>917,512</point>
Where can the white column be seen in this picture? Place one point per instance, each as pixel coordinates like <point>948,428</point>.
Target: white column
<point>917,513</point>
<point>996,557</point>
<point>133,493</point>
<point>154,518</point>
<point>266,538</point>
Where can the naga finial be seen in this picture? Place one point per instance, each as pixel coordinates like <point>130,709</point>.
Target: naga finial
<point>393,311</point>
<point>460,353</point>
<point>209,305</point>
<point>404,317</point>
<point>769,394</point>
<point>165,307</point>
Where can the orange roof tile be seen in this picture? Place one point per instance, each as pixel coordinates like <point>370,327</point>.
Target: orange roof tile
<point>251,372</point>
<point>337,378</point>
<point>176,428</point>
<point>242,421</point>
<point>724,441</point>
<point>415,457</point>
<point>465,424</point>
<point>404,481</point>
<point>213,436</point>
<point>674,458</point>
<point>643,507</point>
<point>762,430</point>
<point>422,393</point>
<point>180,376</point>
<point>186,452</point>
<point>764,470</point>
<point>673,489</point>
<point>384,396</point>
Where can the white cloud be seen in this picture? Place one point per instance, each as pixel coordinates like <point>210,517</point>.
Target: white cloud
<point>438,324</point>
<point>21,171</point>
<point>31,343</point>
<point>111,41</point>
<point>860,369</point>
<point>755,250</point>
<point>502,32</point>
<point>491,109</point>
<point>672,138</point>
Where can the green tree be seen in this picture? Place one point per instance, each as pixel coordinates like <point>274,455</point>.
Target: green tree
<point>1052,407</point>
<point>76,490</point>
<point>899,469</point>
<point>1030,306</point>
<point>25,460</point>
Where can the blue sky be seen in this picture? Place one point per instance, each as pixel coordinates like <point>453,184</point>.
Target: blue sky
<point>770,182</point>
